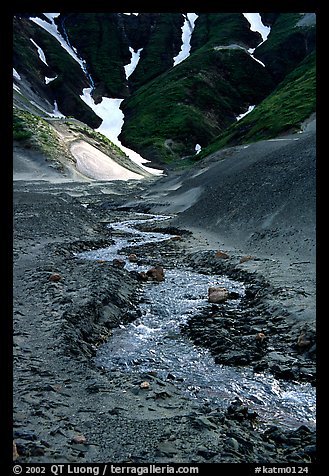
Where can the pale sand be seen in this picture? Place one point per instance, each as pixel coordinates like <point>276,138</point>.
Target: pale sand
<point>95,164</point>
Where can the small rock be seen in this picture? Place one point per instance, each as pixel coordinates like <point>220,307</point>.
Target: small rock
<point>243,259</point>
<point>216,295</point>
<point>260,337</point>
<point>79,439</point>
<point>233,443</point>
<point>166,448</point>
<point>156,274</point>
<point>221,255</point>
<point>54,277</point>
<point>142,276</point>
<point>303,342</point>
<point>205,452</point>
<point>171,376</point>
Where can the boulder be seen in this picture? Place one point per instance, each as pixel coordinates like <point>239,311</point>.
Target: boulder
<point>155,274</point>
<point>217,295</point>
<point>54,277</point>
<point>176,238</point>
<point>221,255</point>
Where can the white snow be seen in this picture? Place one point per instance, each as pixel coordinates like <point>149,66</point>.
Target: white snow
<point>40,52</point>
<point>49,80</point>
<point>250,108</point>
<point>109,110</point>
<point>197,149</point>
<point>16,75</point>
<point>135,55</point>
<point>256,24</point>
<point>187,30</point>
<point>251,50</point>
<point>97,165</point>
<point>56,112</point>
<point>53,30</point>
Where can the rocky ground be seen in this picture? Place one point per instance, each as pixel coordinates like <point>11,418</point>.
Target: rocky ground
<point>66,409</point>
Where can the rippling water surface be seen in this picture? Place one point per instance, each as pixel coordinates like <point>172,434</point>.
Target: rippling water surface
<point>154,343</point>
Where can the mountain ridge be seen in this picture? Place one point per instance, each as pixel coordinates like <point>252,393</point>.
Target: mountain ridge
<point>170,109</point>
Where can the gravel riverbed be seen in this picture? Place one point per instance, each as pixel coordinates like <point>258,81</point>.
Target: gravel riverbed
<point>68,410</point>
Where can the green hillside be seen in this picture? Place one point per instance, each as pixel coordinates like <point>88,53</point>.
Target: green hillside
<point>192,103</point>
<point>293,101</point>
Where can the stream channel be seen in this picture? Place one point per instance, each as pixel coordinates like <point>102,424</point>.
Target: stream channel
<point>154,343</point>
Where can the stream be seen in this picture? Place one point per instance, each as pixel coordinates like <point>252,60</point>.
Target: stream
<point>153,342</point>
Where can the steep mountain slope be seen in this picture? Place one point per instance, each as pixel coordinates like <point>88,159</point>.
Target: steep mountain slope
<point>292,38</point>
<point>68,77</point>
<point>193,102</point>
<point>283,111</point>
<point>169,110</point>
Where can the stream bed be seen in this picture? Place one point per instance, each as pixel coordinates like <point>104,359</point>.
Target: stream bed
<point>154,343</point>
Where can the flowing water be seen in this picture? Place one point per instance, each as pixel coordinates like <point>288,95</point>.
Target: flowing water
<point>153,342</point>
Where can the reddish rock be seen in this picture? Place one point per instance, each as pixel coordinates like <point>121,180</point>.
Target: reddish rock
<point>260,337</point>
<point>55,277</point>
<point>176,238</point>
<point>221,255</point>
<point>132,258</point>
<point>155,274</point>
<point>302,342</point>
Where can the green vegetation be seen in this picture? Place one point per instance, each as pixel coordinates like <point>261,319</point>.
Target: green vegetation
<point>287,45</point>
<point>35,132</point>
<point>217,29</point>
<point>162,46</point>
<point>171,109</point>
<point>192,102</point>
<point>98,137</point>
<point>293,101</point>
<point>70,81</point>
<point>20,129</point>
<point>98,38</point>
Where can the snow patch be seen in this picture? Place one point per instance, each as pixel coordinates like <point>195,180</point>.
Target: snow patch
<point>40,52</point>
<point>16,75</point>
<point>135,55</point>
<point>250,108</point>
<point>187,30</point>
<point>256,24</point>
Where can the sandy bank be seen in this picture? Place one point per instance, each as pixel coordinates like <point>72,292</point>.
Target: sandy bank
<point>95,164</point>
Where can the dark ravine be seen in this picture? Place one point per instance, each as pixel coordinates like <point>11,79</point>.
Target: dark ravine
<point>66,409</point>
